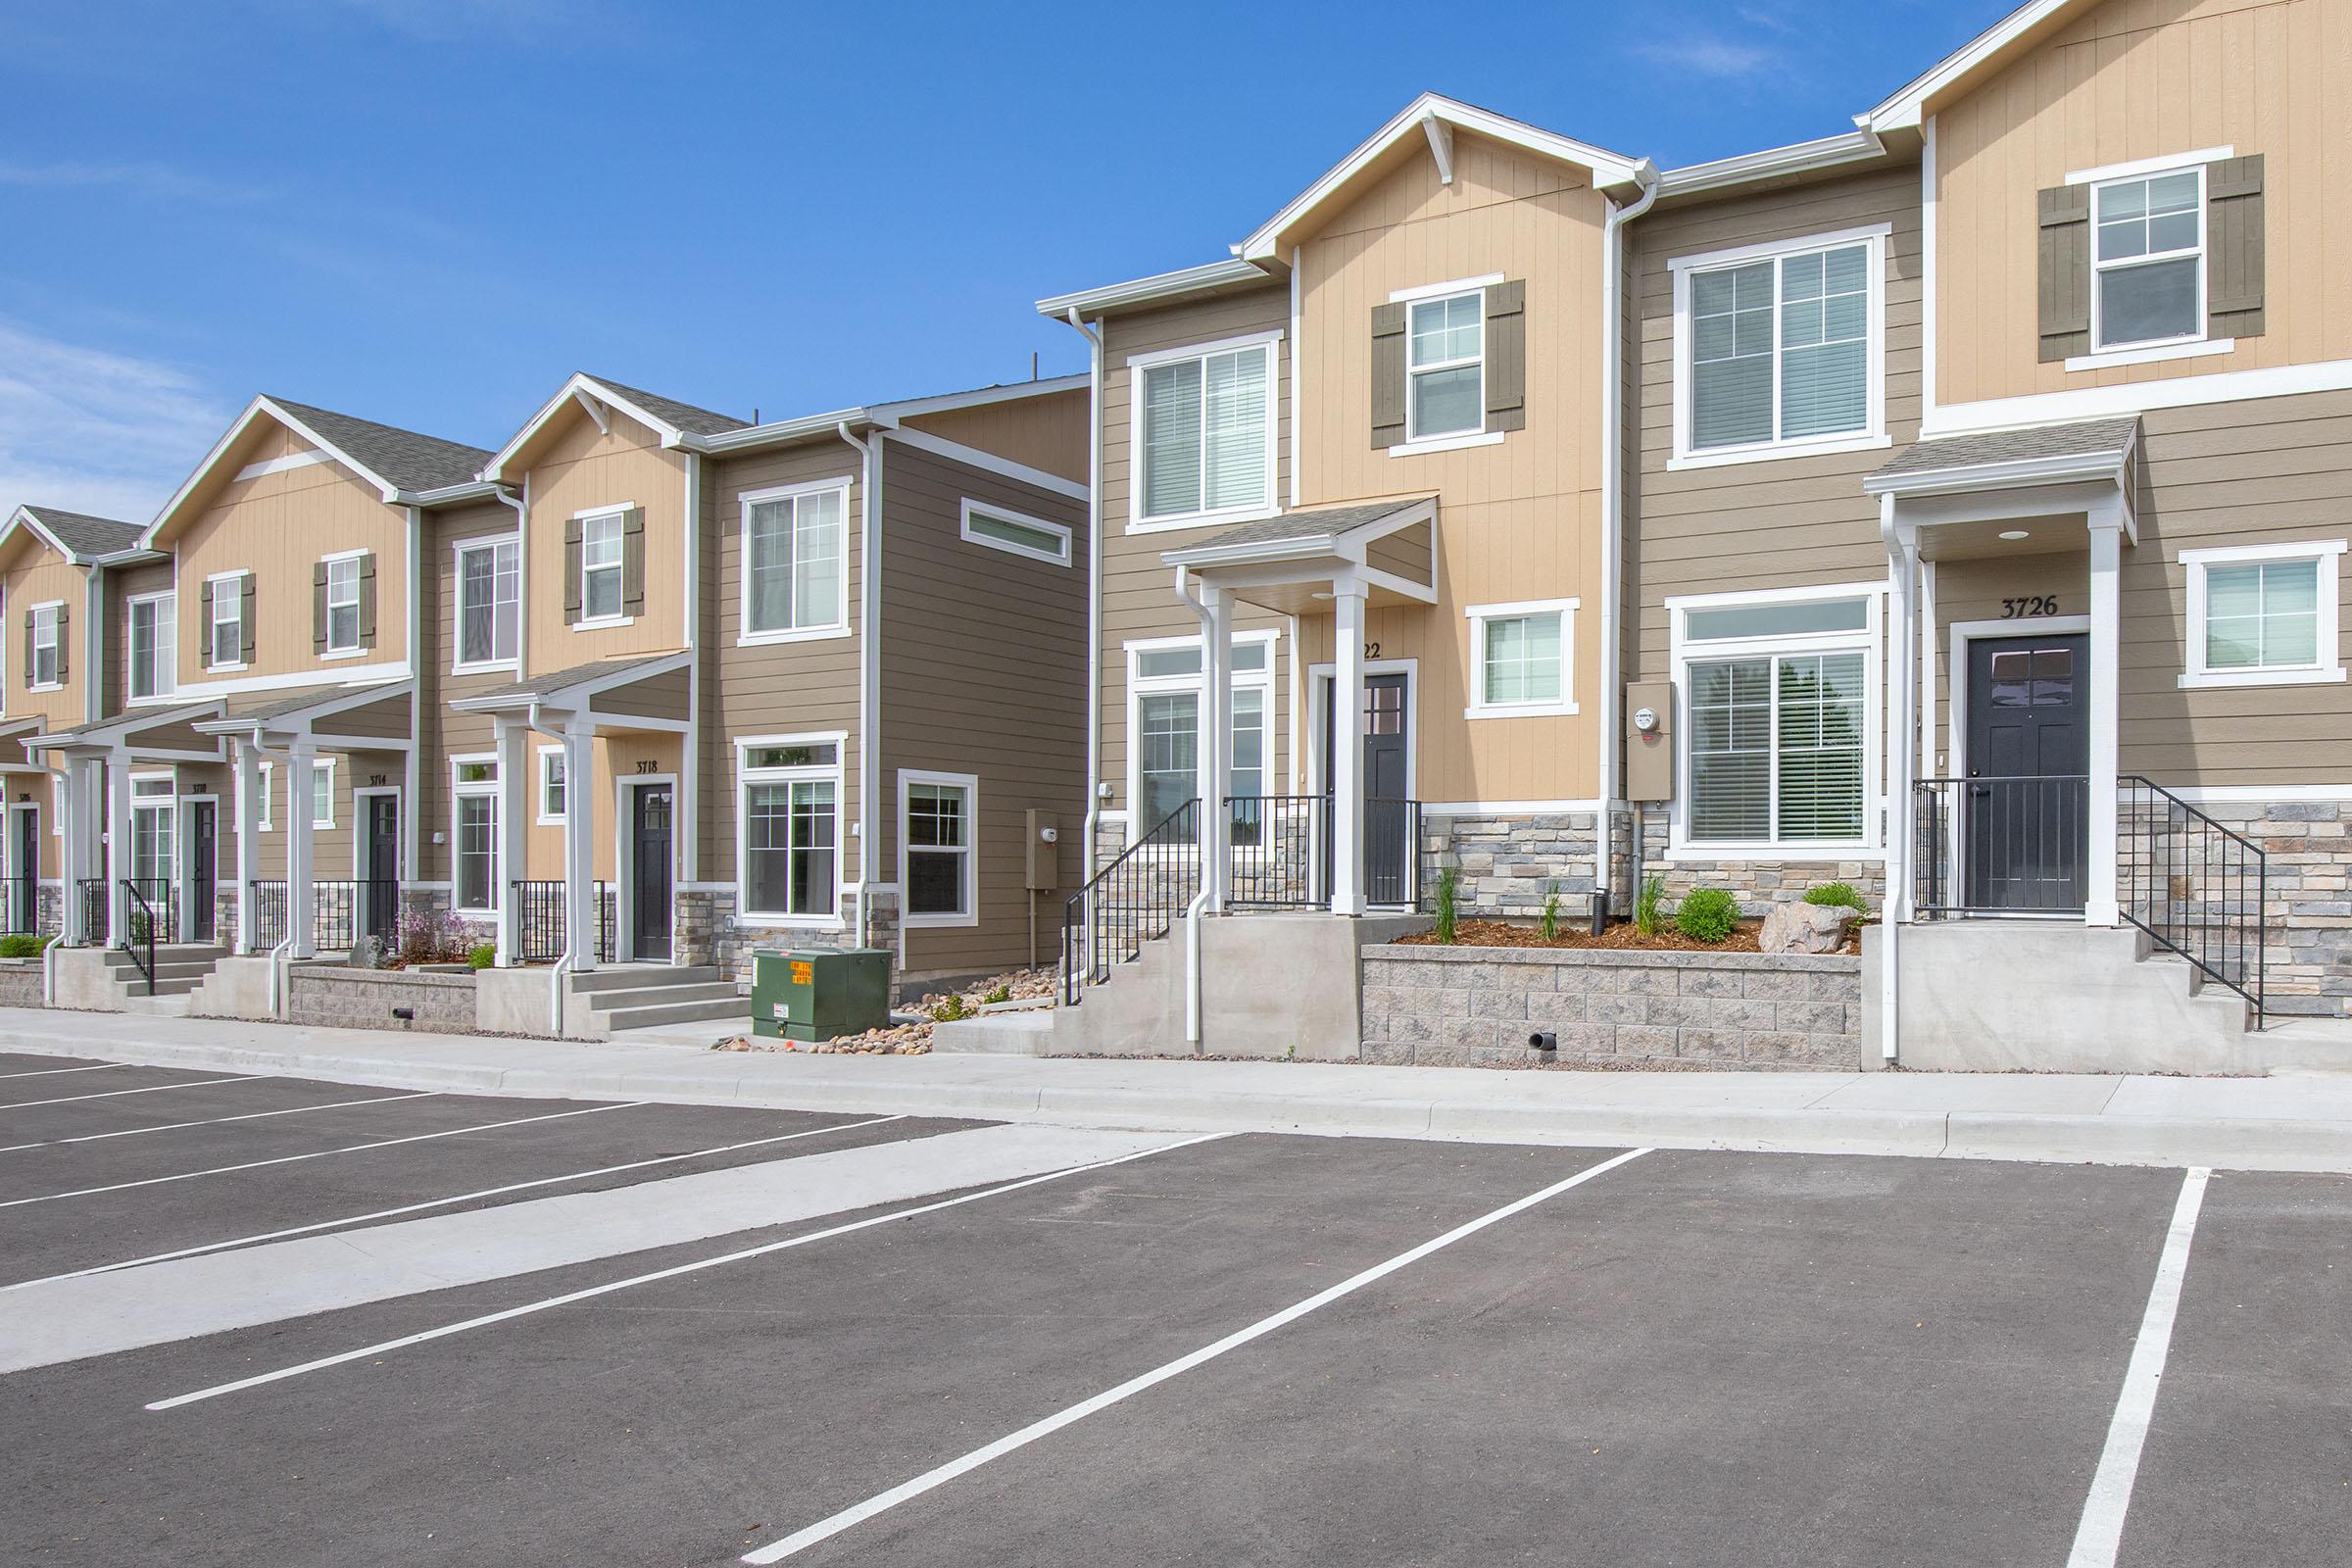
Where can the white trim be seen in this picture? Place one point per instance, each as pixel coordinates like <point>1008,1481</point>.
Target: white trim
<point>360,796</point>
<point>2196,793</point>
<point>1460,285</point>
<point>167,679</point>
<point>1928,241</point>
<point>1020,519</point>
<point>266,820</point>
<point>2099,269</point>
<point>836,773</point>
<point>2135,397</point>
<point>1873,237</point>
<point>626,788</point>
<point>2149,166</point>
<point>1505,808</point>
<point>1797,157</point>
<point>1197,683</point>
<point>839,627</point>
<point>1903,107</point>
<point>57,643</point>
<point>298,460</point>
<point>329,680</point>
<point>2196,349</point>
<point>1447,443</point>
<point>969,783</point>
<point>1265,342</point>
<point>1479,615</point>
<point>1182,281</point>
<point>328,765</point>
<point>492,789</point>
<point>1295,413</point>
<point>989,463</point>
<point>541,816</point>
<point>214,622</point>
<point>1322,681</point>
<point>1779,596</point>
<point>2327,669</point>
<point>1414,373</point>
<point>1145,359</point>
<point>458,548</point>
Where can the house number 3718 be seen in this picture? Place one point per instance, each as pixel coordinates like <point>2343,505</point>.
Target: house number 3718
<point>2030,604</point>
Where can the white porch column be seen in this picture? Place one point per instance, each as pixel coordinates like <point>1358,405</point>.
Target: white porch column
<point>73,846</point>
<point>1217,749</point>
<point>302,894</point>
<point>249,859</point>
<point>1347,749</point>
<point>509,738</point>
<point>1902,696</point>
<point>117,847</point>
<point>579,846</point>
<point>2099,907</point>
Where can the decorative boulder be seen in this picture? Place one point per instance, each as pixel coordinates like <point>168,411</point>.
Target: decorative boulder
<point>1804,928</point>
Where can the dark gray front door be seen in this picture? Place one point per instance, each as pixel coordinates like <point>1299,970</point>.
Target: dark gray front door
<point>2028,759</point>
<point>25,909</point>
<point>649,934</point>
<point>203,845</point>
<point>1387,812</point>
<point>381,901</point>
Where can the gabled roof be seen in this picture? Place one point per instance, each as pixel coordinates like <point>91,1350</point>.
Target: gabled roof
<point>1904,109</point>
<point>678,425</point>
<point>1307,533</point>
<point>75,535</point>
<point>669,411</point>
<point>296,708</point>
<point>2040,454</point>
<point>577,684</point>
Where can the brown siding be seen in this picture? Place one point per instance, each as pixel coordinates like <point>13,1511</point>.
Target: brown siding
<point>448,732</point>
<point>123,584</point>
<point>1042,432</point>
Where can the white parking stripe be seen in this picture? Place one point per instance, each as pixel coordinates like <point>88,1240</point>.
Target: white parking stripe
<point>317,1154</point>
<point>444,1203</point>
<point>826,1529</point>
<point>116,1094</point>
<point>2100,1535</point>
<point>609,1287</point>
<point>43,1072</point>
<point>213,1121</point>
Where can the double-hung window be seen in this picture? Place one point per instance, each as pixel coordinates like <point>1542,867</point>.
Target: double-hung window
<point>1203,432</point>
<point>1521,658</point>
<point>552,786</point>
<point>1447,366</point>
<point>1780,348</point>
<point>48,640</point>
<point>489,603</point>
<point>2264,614</point>
<point>601,553</point>
<point>322,794</point>
<point>1780,697</point>
<point>474,781</point>
<point>225,637</point>
<point>789,805</point>
<point>2148,263</point>
<point>1164,712</point>
<point>150,623</point>
<point>938,819</point>
<point>343,604</point>
<point>794,543</point>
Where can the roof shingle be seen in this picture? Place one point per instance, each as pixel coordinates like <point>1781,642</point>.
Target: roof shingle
<point>86,537</point>
<point>409,460</point>
<point>2084,438</point>
<point>684,416</point>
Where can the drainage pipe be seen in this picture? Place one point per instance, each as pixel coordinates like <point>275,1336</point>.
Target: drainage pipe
<point>869,673</point>
<point>1195,911</point>
<point>1612,533</point>
<point>1094,607</point>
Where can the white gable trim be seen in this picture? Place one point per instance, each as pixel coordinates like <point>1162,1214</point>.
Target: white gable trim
<point>1902,111</point>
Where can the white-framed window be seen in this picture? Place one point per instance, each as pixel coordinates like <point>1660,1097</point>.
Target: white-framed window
<point>47,645</point>
<point>2148,259</point>
<point>489,605</point>
<point>224,636</point>
<point>939,822</point>
<point>1446,392</point>
<point>150,637</point>
<point>323,792</point>
<point>795,543</point>
<point>602,589</point>
<point>552,786</point>
<point>474,834</point>
<point>343,603</point>
<point>1780,725</point>
<point>788,791</point>
<point>1165,688</point>
<point>2264,614</point>
<point>267,819</point>
<point>1017,532</point>
<point>154,818</point>
<point>1522,658</point>
<point>1203,433</point>
<point>1779,349</point>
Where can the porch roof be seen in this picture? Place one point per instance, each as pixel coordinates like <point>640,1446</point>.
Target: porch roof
<point>170,727</point>
<point>1281,562</point>
<point>2041,454</point>
<point>630,692</point>
<point>375,712</point>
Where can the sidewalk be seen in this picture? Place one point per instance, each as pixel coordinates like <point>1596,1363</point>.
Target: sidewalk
<point>2285,1122</point>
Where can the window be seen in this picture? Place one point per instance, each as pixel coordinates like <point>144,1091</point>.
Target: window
<point>2263,614</point>
<point>1163,714</point>
<point>937,817</point>
<point>489,603</point>
<point>1779,694</point>
<point>793,545</point>
<point>2148,264</point>
<point>474,834</point>
<point>789,831</point>
<point>150,622</point>
<point>1204,431</point>
<point>322,794</point>
<point>550,786</point>
<point>224,638</point>
<point>1779,347</point>
<point>600,567</point>
<point>152,840</point>
<point>265,820</point>
<point>1000,529</point>
<point>343,604</point>
<point>1521,658</point>
<point>1447,394</point>
<point>48,660</point>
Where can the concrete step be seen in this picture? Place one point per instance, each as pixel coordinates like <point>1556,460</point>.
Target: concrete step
<point>165,986</point>
<point>634,976</point>
<point>612,997</point>
<point>729,1010</point>
<point>168,953</point>
<point>1002,1034</point>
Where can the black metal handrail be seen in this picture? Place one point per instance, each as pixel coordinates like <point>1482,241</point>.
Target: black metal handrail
<point>2008,845</point>
<point>91,889</point>
<point>159,900</point>
<point>334,914</point>
<point>1275,859</point>
<point>269,913</point>
<point>21,908</point>
<point>1130,902</point>
<point>540,907</point>
<point>2195,887</point>
<point>138,931</point>
<point>1391,869</point>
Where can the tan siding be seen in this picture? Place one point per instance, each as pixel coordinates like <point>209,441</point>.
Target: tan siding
<point>578,469</point>
<point>447,731</point>
<point>2134,79</point>
<point>36,577</point>
<point>1042,432</point>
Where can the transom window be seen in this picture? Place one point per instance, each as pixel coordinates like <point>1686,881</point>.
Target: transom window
<point>792,544</point>
<point>1520,658</point>
<point>789,804</point>
<point>1205,431</point>
<point>47,662</point>
<point>150,627</point>
<point>2263,614</point>
<point>601,586</point>
<point>937,824</point>
<point>1000,529</point>
<point>1447,394</point>
<point>1778,349</point>
<point>474,839</point>
<point>489,602</point>
<point>343,604</point>
<point>2148,272</point>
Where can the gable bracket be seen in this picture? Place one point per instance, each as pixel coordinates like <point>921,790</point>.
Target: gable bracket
<point>594,410</point>
<point>1441,146</point>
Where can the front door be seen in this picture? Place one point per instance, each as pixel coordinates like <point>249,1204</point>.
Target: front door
<point>25,888</point>
<point>1387,810</point>
<point>379,892</point>
<point>203,890</point>
<point>2026,827</point>
<point>650,841</point>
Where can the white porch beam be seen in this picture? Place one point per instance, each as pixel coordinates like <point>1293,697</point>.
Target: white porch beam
<point>1348,748</point>
<point>302,893</point>
<point>2099,907</point>
<point>579,844</point>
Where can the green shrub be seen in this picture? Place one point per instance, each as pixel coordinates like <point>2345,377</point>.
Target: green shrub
<point>1647,906</point>
<point>950,1011</point>
<point>482,955</point>
<point>1548,927</point>
<point>21,945</point>
<point>995,995</point>
<point>1838,896</point>
<point>1448,908</point>
<point>1707,914</point>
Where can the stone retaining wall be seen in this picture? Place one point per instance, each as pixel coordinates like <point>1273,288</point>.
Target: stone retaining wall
<point>1476,1007</point>
<point>21,983</point>
<point>364,999</point>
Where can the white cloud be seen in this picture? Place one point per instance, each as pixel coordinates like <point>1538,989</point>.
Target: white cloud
<point>94,431</point>
<point>153,181</point>
<point>1709,55</point>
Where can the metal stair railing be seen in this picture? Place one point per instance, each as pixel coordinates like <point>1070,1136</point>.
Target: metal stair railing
<point>138,937</point>
<point>1130,902</point>
<point>2195,887</point>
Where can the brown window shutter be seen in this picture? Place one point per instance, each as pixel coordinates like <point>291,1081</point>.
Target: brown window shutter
<point>65,644</point>
<point>2064,271</point>
<point>1506,356</point>
<point>572,572</point>
<point>632,562</point>
<point>27,647</point>
<point>245,618</point>
<point>368,599</point>
<point>203,626</point>
<point>318,607</point>
<point>2233,248</point>
<point>1388,376</point>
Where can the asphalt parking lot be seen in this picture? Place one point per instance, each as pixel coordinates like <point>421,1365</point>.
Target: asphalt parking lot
<point>1235,1349</point>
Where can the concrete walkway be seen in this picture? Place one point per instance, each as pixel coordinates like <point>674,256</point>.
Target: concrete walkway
<point>2284,1122</point>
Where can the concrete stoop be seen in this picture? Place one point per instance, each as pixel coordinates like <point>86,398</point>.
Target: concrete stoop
<point>605,1003</point>
<point>108,979</point>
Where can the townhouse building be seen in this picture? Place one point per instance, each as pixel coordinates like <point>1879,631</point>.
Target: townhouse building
<point>1953,507</point>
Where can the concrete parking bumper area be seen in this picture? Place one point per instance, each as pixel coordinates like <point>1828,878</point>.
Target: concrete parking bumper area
<point>1249,1348</point>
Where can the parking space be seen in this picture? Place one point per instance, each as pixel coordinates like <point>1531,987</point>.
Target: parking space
<point>1259,1349</point>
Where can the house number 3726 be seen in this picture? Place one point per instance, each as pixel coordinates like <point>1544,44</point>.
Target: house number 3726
<point>2030,604</point>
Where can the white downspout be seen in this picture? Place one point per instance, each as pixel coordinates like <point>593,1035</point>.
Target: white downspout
<point>1612,511</point>
<point>869,669</point>
<point>1094,601</point>
<point>1194,911</point>
<point>522,575</point>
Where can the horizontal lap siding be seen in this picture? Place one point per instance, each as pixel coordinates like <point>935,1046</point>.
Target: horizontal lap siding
<point>1039,433</point>
<point>448,732</point>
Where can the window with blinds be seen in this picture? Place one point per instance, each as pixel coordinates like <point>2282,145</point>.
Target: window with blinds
<point>1778,723</point>
<point>1777,348</point>
<point>1205,432</point>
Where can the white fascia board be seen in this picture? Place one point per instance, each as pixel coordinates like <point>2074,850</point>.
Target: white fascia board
<point>574,384</point>
<point>2069,467</point>
<point>390,492</point>
<point>1799,158</point>
<point>1903,110</point>
<point>23,518</point>
<point>1158,286</point>
<point>779,432</point>
<point>983,397</point>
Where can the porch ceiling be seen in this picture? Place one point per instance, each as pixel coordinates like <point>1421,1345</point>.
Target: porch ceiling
<point>1289,562</point>
<point>650,694</point>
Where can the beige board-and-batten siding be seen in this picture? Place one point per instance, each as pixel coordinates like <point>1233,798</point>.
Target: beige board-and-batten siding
<point>574,468</point>
<point>39,576</point>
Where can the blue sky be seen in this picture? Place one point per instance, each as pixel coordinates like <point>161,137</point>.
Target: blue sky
<point>428,211</point>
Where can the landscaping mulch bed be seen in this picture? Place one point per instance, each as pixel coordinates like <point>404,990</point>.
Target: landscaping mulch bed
<point>1511,934</point>
<point>910,1038</point>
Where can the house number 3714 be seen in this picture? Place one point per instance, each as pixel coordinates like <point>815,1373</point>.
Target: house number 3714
<point>2030,604</point>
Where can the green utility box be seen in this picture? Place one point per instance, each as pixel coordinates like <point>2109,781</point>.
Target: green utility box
<point>819,996</point>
